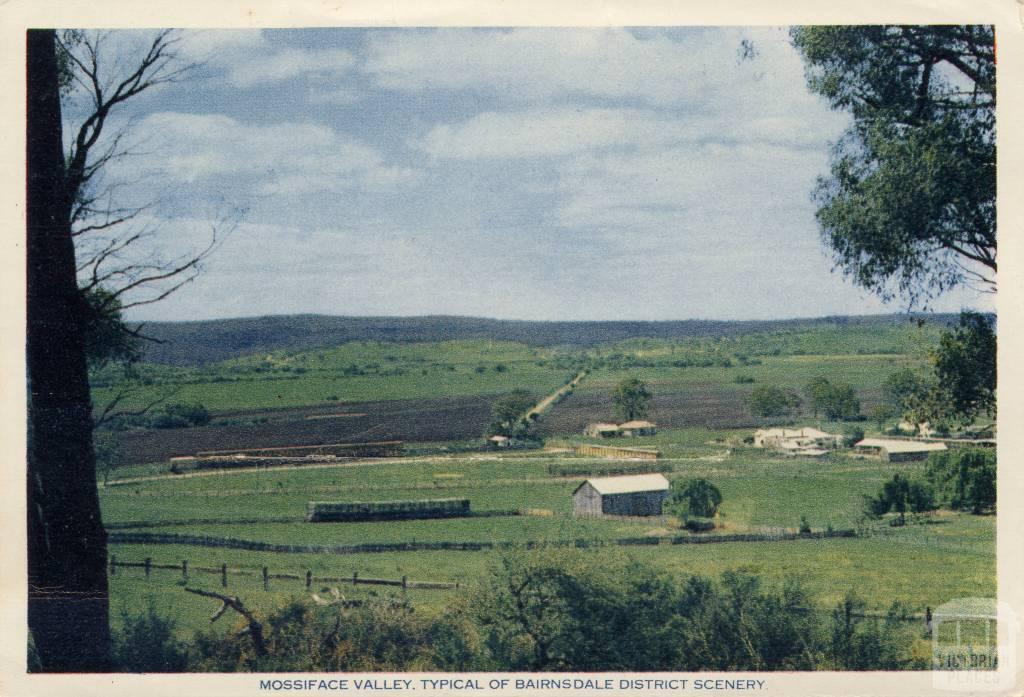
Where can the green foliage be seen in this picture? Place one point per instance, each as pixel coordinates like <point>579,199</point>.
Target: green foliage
<point>909,207</point>
<point>508,414</point>
<point>900,387</point>
<point>108,340</point>
<point>881,414</point>
<point>965,365</point>
<point>852,435</point>
<point>965,479</point>
<point>835,400</point>
<point>901,495</point>
<point>632,399</point>
<point>382,634</point>
<point>769,401</point>
<point>147,644</point>
<point>694,497</point>
<point>567,612</point>
<point>859,644</point>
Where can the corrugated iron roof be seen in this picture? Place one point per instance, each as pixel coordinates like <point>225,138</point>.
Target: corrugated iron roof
<point>637,424</point>
<point>632,484</point>
<point>900,446</point>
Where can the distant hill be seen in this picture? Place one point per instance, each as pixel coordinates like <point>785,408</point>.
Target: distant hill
<point>198,343</point>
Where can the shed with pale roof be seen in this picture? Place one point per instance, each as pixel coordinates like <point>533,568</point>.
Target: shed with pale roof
<point>899,450</point>
<point>636,495</point>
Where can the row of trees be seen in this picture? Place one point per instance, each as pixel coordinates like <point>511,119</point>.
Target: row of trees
<point>959,480</point>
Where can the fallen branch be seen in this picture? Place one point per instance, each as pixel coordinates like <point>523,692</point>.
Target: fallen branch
<point>230,601</point>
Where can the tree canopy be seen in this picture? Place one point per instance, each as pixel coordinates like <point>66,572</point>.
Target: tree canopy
<point>632,399</point>
<point>508,414</point>
<point>769,400</point>
<point>909,207</point>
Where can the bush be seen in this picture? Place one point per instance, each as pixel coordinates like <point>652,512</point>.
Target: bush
<point>743,379</point>
<point>698,524</point>
<point>146,644</point>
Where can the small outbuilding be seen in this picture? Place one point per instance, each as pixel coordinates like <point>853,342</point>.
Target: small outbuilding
<point>601,430</point>
<point>898,450</point>
<point>636,495</point>
<point>637,427</point>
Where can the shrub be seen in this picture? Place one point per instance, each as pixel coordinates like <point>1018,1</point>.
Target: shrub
<point>146,644</point>
<point>695,497</point>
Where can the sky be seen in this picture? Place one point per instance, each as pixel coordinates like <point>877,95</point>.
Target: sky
<point>540,174</point>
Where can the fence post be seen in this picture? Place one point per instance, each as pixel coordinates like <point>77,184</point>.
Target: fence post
<point>149,565</point>
<point>309,580</point>
<point>184,569</point>
<point>266,579</point>
<point>113,564</point>
<point>224,575</point>
<point>405,583</point>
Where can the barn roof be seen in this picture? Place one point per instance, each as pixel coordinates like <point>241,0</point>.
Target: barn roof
<point>900,446</point>
<point>637,423</point>
<point>628,485</point>
<point>603,427</point>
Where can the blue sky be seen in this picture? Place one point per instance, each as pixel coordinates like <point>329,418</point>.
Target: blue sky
<point>514,173</point>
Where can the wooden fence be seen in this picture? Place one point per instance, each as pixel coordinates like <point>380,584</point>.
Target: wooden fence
<point>611,451</point>
<point>186,569</point>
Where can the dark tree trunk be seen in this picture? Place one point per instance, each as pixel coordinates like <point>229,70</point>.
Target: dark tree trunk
<point>67,582</point>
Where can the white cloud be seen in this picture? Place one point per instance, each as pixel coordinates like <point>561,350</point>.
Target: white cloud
<point>283,158</point>
<point>555,132</point>
<point>534,64</point>
<point>246,58</point>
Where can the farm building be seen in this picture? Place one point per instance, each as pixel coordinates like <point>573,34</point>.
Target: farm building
<point>499,441</point>
<point>637,495</point>
<point>601,430</point>
<point>898,450</point>
<point>793,438</point>
<point>628,429</point>
<point>637,428</point>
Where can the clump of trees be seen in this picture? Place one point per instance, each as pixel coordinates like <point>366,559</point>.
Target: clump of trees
<point>836,400</point>
<point>964,479</point>
<point>901,495</point>
<point>958,480</point>
<point>632,399</point>
<point>771,401</point>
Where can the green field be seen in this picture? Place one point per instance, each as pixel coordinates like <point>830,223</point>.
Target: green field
<point>353,372</point>
<point>945,556</point>
<point>921,565</point>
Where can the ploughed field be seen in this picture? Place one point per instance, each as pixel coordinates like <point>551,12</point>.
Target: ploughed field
<point>442,419</point>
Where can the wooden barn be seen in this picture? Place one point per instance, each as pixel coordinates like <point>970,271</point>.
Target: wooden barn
<point>637,495</point>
